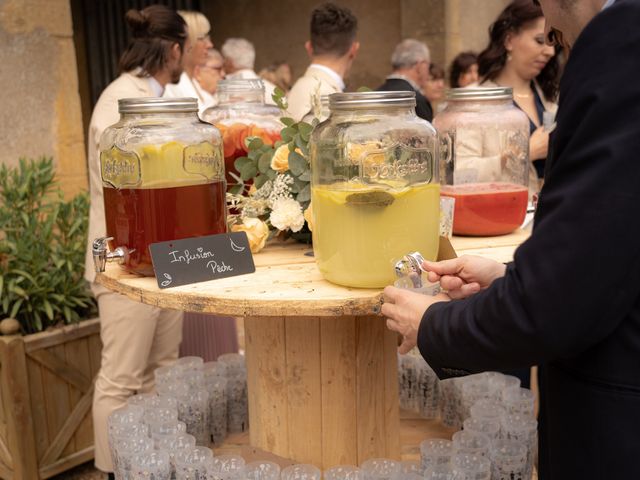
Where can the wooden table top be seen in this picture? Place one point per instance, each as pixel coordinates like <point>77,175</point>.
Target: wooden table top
<point>286,282</point>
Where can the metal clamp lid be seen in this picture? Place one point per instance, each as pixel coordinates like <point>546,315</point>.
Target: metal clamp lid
<point>364,100</point>
<point>480,93</point>
<point>157,105</point>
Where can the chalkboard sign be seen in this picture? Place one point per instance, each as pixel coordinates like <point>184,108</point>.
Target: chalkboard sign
<point>198,259</point>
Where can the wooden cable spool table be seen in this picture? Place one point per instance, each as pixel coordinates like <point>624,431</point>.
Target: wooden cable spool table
<point>321,366</point>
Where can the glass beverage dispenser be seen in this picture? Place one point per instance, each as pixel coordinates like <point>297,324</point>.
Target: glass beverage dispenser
<point>242,113</point>
<point>374,183</point>
<point>163,179</point>
<point>486,166</point>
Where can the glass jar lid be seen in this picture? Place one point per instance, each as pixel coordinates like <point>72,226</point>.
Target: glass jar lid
<point>365,100</point>
<point>480,93</point>
<point>238,85</point>
<point>157,105</point>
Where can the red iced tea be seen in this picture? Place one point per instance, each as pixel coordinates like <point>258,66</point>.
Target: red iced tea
<point>484,209</point>
<point>137,217</point>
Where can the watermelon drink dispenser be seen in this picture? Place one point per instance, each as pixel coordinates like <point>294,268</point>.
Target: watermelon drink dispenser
<point>486,166</point>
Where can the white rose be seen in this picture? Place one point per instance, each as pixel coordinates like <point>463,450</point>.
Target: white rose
<point>286,213</point>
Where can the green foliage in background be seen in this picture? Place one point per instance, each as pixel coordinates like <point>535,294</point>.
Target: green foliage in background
<point>42,249</point>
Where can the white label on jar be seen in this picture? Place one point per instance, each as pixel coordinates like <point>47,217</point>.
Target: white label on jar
<point>398,162</point>
<point>120,168</point>
<point>204,159</point>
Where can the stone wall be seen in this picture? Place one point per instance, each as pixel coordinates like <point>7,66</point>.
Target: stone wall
<point>40,112</point>
<point>279,28</point>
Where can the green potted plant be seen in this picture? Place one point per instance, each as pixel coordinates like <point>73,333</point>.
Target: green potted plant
<point>46,374</point>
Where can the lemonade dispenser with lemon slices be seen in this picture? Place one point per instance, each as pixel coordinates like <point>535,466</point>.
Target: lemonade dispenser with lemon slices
<point>375,190</point>
<point>163,179</point>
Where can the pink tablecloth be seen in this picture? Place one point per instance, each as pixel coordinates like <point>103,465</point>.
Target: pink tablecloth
<point>208,336</point>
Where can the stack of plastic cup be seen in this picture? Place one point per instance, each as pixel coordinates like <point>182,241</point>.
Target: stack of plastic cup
<point>263,471</point>
<point>127,448</point>
<point>408,379</point>
<point>343,472</point>
<point>524,430</point>
<point>142,399</point>
<point>474,389</point>
<point>172,444</point>
<point>471,467</point>
<point>418,386</point>
<point>237,396</point>
<point>435,451</point>
<point>301,471</point>
<point>151,466</point>
<point>217,388</point>
<point>509,461</point>
<point>193,410</point>
<point>380,469</point>
<point>451,408</point>
<point>471,443</point>
<point>126,421</point>
<point>428,390</point>
<point>183,385</point>
<point>194,464</point>
<point>499,382</point>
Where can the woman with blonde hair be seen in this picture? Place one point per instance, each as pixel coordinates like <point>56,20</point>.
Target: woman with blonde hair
<point>198,45</point>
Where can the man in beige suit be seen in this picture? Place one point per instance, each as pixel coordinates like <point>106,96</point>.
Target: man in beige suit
<point>136,338</point>
<point>332,49</point>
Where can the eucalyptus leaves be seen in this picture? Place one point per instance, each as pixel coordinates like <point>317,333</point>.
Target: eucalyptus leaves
<point>278,189</point>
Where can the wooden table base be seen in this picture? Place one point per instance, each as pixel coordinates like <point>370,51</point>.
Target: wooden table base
<point>318,383</point>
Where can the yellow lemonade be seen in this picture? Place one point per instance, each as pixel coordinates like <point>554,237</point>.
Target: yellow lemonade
<point>358,233</point>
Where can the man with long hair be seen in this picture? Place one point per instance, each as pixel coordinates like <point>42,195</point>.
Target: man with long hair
<point>136,338</point>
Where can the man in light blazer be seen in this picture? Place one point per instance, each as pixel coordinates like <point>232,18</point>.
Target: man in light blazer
<point>570,300</point>
<point>136,338</point>
<point>332,49</point>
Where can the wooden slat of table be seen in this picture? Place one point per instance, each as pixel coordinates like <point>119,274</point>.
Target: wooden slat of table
<point>286,280</point>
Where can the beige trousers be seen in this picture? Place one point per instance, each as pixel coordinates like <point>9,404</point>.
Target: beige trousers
<point>136,339</point>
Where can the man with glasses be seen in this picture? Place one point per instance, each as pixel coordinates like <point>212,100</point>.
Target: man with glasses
<point>209,74</point>
<point>570,300</point>
<point>410,62</point>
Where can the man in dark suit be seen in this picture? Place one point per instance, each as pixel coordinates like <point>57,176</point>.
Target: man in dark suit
<point>410,61</point>
<point>570,301</point>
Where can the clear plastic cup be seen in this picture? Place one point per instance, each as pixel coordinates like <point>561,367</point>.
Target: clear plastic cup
<point>235,363</point>
<point>194,464</point>
<point>228,467</point>
<point>173,444</point>
<point>519,401</point>
<point>344,472</point>
<point>166,428</point>
<point>488,427</point>
<point>439,472</point>
<point>166,374</point>
<point>301,471</point>
<point>162,401</point>
<point>142,399</point>
<point>435,451</point>
<point>522,429</point>
<point>237,402</point>
<point>380,469</point>
<point>160,415</point>
<point>487,409</point>
<point>471,467</point>
<point>215,369</point>
<point>471,443</point>
<point>185,364</point>
<point>263,471</point>
<point>151,466</point>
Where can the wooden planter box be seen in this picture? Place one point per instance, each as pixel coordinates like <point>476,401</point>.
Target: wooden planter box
<point>46,390</point>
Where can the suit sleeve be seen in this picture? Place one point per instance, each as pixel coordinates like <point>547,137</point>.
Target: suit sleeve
<point>578,276</point>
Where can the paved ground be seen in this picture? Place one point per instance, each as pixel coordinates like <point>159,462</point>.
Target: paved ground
<point>85,471</point>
